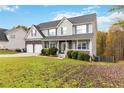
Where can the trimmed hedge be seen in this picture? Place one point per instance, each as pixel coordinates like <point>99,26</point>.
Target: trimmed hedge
<point>80,55</point>
<point>69,54</point>
<point>74,54</point>
<point>53,51</point>
<point>49,51</point>
<point>45,52</point>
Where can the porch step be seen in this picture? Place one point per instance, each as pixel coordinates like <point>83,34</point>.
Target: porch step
<point>62,55</point>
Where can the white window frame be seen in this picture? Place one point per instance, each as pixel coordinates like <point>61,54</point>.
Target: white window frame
<point>80,29</point>
<point>80,45</point>
<point>52,32</point>
<point>90,28</point>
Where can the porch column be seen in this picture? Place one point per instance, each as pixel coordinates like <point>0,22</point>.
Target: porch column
<point>90,47</point>
<point>58,47</point>
<point>66,46</point>
<point>49,44</point>
<point>76,44</point>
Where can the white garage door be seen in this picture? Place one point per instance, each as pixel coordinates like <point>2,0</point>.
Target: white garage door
<point>38,48</point>
<point>29,48</point>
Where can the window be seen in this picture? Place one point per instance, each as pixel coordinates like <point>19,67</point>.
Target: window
<point>53,44</point>
<point>33,32</point>
<point>90,28</point>
<point>52,32</point>
<point>81,29</point>
<point>46,44</point>
<point>12,36</point>
<point>83,45</point>
<point>63,30</point>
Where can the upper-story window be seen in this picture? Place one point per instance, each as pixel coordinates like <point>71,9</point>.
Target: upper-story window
<point>52,32</point>
<point>63,30</point>
<point>81,29</point>
<point>12,36</point>
<point>88,28</point>
<point>34,32</point>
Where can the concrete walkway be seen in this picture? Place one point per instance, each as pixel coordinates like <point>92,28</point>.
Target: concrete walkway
<point>18,55</point>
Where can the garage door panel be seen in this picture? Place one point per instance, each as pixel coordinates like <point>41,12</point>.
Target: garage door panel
<point>38,48</point>
<point>30,48</point>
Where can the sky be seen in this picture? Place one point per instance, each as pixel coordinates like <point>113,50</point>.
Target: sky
<point>27,15</point>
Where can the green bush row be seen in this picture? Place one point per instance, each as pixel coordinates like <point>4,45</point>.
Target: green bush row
<point>80,55</point>
<point>49,51</point>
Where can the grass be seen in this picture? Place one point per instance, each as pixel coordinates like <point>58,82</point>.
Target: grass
<point>49,72</point>
<point>5,51</point>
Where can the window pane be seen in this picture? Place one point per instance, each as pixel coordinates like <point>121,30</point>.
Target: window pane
<point>90,27</point>
<point>63,30</point>
<point>52,32</point>
<point>81,29</point>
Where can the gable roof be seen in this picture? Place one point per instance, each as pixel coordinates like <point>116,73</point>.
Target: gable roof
<point>3,36</point>
<point>73,20</point>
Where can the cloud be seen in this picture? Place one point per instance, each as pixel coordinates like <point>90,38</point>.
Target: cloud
<point>8,8</point>
<point>105,21</point>
<point>60,15</point>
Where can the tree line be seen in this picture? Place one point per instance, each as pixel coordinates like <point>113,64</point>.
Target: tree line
<point>111,43</point>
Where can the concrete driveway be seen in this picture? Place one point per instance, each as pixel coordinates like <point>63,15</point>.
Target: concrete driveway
<point>18,55</point>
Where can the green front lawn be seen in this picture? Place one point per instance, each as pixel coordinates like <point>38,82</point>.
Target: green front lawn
<point>53,72</point>
<point>5,51</point>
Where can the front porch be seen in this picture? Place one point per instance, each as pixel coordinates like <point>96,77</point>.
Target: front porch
<point>65,45</point>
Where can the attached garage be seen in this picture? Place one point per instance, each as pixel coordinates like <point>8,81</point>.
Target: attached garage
<point>29,48</point>
<point>37,48</point>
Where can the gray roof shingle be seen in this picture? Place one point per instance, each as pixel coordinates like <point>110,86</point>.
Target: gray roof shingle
<point>73,20</point>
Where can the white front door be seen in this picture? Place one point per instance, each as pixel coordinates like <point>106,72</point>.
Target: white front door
<point>38,48</point>
<point>30,48</point>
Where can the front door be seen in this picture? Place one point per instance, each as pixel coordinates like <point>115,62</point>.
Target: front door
<point>62,47</point>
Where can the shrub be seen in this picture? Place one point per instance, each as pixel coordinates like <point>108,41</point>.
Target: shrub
<point>74,54</point>
<point>69,53</point>
<point>18,50</point>
<point>45,51</point>
<point>81,55</point>
<point>7,51</point>
<point>53,51</point>
<point>86,57</point>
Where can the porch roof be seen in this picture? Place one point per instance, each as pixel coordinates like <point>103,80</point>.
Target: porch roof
<point>69,37</point>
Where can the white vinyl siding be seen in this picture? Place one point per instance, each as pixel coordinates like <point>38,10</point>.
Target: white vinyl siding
<point>34,32</point>
<point>52,32</point>
<point>81,29</point>
<point>63,30</point>
<point>45,32</point>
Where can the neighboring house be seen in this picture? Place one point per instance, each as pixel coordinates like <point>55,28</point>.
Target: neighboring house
<point>13,39</point>
<point>77,33</point>
<point>3,38</point>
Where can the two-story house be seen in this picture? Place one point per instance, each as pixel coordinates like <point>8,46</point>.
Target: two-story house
<point>12,39</point>
<point>76,33</point>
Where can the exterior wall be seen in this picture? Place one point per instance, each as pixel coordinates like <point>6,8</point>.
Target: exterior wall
<point>3,45</point>
<point>29,34</point>
<point>18,41</point>
<point>67,24</point>
<point>45,32</point>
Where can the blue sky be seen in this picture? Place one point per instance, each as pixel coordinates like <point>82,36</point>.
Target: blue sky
<point>11,16</point>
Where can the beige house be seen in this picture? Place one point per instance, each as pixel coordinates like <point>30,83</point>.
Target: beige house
<point>13,39</point>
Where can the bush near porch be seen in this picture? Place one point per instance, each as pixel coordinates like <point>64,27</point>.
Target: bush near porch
<point>80,55</point>
<point>49,51</point>
<point>7,51</point>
